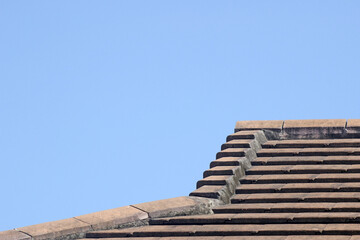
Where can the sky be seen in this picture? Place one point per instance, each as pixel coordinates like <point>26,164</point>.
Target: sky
<point>105,103</point>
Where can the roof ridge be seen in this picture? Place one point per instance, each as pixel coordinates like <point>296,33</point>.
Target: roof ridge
<point>303,129</point>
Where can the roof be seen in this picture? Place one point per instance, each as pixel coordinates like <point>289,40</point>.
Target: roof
<point>293,179</point>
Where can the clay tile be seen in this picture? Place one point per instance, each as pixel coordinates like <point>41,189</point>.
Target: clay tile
<point>315,123</point>
<point>261,124</point>
<point>353,123</point>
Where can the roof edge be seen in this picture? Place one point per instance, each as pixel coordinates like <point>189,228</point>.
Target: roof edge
<point>301,129</point>
<point>222,183</point>
<point>122,217</point>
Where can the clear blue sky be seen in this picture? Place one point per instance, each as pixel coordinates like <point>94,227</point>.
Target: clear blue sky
<point>110,103</point>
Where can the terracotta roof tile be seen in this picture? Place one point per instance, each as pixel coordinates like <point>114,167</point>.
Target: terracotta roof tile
<point>314,123</point>
<point>221,170</point>
<point>353,123</point>
<point>242,135</point>
<point>307,152</point>
<point>286,207</point>
<point>56,229</point>
<point>293,160</point>
<point>237,143</point>
<point>312,143</point>
<point>231,152</point>
<point>274,124</point>
<point>14,235</point>
<point>213,180</point>
<point>286,169</point>
<point>225,161</point>
<point>113,218</point>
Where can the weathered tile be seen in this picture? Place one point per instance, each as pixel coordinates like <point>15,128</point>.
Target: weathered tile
<point>353,123</point>
<point>13,235</point>
<point>260,124</point>
<point>231,152</point>
<point>114,218</point>
<point>221,170</point>
<point>169,207</point>
<point>226,161</point>
<point>70,227</point>
<point>315,123</point>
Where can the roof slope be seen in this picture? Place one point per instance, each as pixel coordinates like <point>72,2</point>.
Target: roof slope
<point>294,179</point>
<point>278,180</point>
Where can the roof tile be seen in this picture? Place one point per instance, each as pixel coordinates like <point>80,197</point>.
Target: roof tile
<point>13,235</point>
<point>56,229</point>
<point>315,123</point>
<point>261,124</point>
<point>353,123</point>
<point>168,207</point>
<point>304,184</point>
<point>113,218</point>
